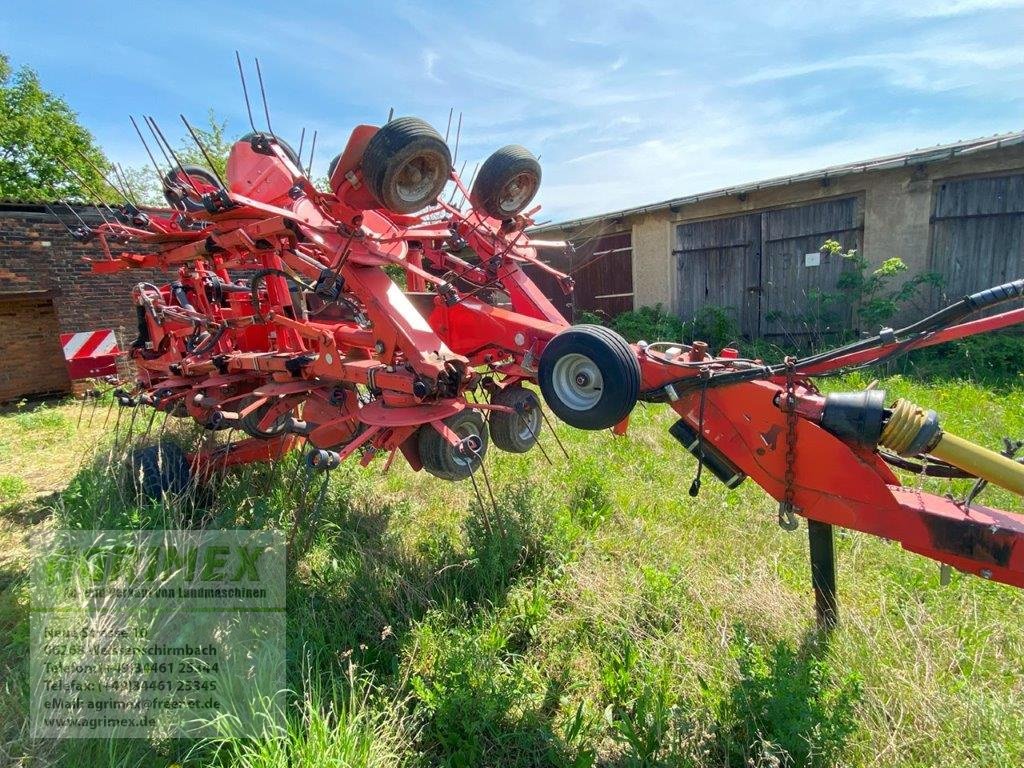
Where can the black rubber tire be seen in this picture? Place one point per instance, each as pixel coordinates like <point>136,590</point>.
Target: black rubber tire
<point>160,469</point>
<point>191,202</point>
<point>332,165</point>
<point>490,192</point>
<point>515,432</point>
<point>613,358</point>
<point>250,424</point>
<point>292,154</point>
<point>438,455</point>
<point>394,148</point>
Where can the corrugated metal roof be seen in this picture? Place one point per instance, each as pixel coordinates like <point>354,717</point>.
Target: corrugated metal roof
<point>916,157</point>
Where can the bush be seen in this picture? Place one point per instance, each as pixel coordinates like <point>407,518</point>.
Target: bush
<point>714,325</point>
<point>990,357</point>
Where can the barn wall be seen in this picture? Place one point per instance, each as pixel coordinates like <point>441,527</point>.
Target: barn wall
<point>896,209</point>
<point>39,261</point>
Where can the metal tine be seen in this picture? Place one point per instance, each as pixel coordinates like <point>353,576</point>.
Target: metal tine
<point>551,429</point>
<point>99,206</point>
<point>447,130</point>
<point>158,144</point>
<point>391,114</point>
<point>302,140</point>
<point>92,413</point>
<point>458,135</point>
<point>106,419</point>
<point>170,149</point>
<point>202,149</point>
<point>480,500</point>
<point>317,507</point>
<point>57,216</point>
<point>263,94</point>
<point>455,187</point>
<point>536,438</point>
<point>245,92</point>
<point>74,213</point>
<point>102,175</point>
<point>312,149</point>
<point>90,189</point>
<point>156,167</point>
<point>463,201</point>
<point>119,172</point>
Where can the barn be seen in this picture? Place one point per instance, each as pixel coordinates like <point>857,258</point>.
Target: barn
<point>46,289</point>
<point>955,210</point>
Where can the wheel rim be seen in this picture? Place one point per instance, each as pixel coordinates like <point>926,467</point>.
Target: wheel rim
<point>577,381</point>
<point>416,179</point>
<point>529,422</point>
<point>470,434</point>
<point>517,192</point>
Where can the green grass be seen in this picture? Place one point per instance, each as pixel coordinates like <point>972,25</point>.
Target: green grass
<point>598,617</point>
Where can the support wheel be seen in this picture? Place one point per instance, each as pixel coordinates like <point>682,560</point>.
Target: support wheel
<point>589,376</point>
<point>442,459</point>
<point>251,424</point>
<point>160,469</point>
<point>291,153</point>
<point>515,432</point>
<point>506,183</point>
<point>406,165</point>
<point>179,191</point>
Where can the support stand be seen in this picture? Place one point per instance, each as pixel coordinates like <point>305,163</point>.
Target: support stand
<point>823,573</point>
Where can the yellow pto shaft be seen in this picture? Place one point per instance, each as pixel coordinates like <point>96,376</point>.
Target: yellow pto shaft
<point>911,431</point>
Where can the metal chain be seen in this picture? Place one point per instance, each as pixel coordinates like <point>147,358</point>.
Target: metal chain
<point>787,508</point>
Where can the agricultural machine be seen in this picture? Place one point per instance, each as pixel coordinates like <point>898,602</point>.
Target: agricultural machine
<point>377,318</point>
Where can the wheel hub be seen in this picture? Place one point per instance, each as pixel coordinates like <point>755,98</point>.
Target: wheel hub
<point>577,381</point>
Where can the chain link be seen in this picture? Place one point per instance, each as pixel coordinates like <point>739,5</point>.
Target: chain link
<point>787,508</point>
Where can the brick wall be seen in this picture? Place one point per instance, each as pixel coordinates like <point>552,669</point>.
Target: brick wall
<point>32,362</point>
<point>40,262</point>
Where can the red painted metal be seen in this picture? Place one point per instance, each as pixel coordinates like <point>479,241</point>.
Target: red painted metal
<point>90,354</point>
<point>354,362</point>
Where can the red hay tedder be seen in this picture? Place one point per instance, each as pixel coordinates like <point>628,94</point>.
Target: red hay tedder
<point>284,321</point>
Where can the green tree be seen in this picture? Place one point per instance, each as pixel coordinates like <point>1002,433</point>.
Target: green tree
<point>37,131</point>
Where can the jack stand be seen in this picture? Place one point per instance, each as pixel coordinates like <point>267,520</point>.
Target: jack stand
<point>823,573</point>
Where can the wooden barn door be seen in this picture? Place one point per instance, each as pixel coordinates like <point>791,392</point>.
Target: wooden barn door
<point>719,263</point>
<point>603,271</point>
<point>977,234</point>
<point>765,269</point>
<point>800,297</point>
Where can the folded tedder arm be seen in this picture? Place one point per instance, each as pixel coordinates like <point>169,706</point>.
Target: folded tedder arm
<point>827,458</point>
<point>287,318</point>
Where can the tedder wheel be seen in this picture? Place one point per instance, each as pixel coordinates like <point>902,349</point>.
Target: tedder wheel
<point>406,165</point>
<point>191,201</point>
<point>589,377</point>
<point>160,469</point>
<point>506,183</point>
<point>442,459</point>
<point>251,424</point>
<point>515,432</point>
<point>292,154</point>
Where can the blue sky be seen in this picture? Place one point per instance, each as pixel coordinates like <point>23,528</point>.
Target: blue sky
<point>627,103</point>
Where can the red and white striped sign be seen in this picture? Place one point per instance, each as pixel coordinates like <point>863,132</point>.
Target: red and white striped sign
<point>90,354</point>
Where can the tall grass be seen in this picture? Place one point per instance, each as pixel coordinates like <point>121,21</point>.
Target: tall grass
<point>595,616</point>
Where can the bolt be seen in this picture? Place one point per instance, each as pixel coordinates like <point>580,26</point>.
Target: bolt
<point>582,379</point>
<point>986,573</point>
